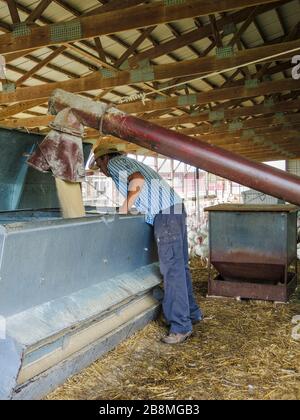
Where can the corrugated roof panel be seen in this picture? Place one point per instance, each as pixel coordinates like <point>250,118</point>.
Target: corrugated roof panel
<point>85,5</point>
<point>251,37</point>
<point>270,25</point>
<point>53,75</point>
<point>162,33</point>
<point>13,75</point>
<point>186,53</point>
<point>184,25</point>
<point>291,14</point>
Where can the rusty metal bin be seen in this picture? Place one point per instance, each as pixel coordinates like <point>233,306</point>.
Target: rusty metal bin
<point>254,250</point>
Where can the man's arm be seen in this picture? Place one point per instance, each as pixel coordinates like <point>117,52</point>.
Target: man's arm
<point>136,184</point>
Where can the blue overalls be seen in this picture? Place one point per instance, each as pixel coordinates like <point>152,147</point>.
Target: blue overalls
<point>179,304</point>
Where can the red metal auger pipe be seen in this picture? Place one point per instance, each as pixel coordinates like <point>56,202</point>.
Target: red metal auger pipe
<point>170,143</point>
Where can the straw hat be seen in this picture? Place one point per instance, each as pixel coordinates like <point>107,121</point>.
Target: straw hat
<point>98,152</point>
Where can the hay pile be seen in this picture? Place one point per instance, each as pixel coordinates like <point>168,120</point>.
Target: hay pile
<point>243,350</point>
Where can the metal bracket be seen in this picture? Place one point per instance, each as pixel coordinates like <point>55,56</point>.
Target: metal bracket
<point>67,31</point>
<point>248,134</point>
<point>267,78</point>
<point>160,99</point>
<point>142,74</point>
<point>217,115</point>
<point>108,73</point>
<point>8,87</point>
<point>217,124</point>
<point>170,3</point>
<point>279,116</point>
<point>225,52</point>
<point>259,140</point>
<point>21,29</point>
<point>269,103</point>
<point>187,100</point>
<point>252,83</point>
<point>235,126</point>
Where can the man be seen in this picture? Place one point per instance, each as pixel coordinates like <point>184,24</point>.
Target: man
<point>152,196</point>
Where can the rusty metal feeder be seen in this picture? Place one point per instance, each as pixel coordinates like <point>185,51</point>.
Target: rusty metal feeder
<point>254,250</point>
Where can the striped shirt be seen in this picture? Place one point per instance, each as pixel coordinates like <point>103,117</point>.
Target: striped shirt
<point>156,195</point>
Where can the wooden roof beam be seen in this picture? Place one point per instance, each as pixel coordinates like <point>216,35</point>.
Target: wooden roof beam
<point>13,10</point>
<point>119,21</point>
<point>198,34</point>
<point>269,122</point>
<point>38,11</point>
<point>159,72</point>
<point>231,114</point>
<point>218,95</point>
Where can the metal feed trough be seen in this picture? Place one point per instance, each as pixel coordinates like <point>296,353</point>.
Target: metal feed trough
<point>254,249</point>
<point>70,290</point>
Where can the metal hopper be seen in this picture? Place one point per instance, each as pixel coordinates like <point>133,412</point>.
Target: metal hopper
<point>254,249</point>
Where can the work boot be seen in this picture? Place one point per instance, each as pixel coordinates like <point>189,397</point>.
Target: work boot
<point>176,338</point>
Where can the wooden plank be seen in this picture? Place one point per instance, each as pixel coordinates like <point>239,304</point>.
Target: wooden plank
<point>276,128</point>
<point>40,65</point>
<point>270,134</point>
<point>42,121</point>
<point>160,72</point>
<point>144,35</point>
<point>197,34</point>
<point>230,113</point>
<point>217,95</point>
<point>38,11</point>
<point>203,129</point>
<point>11,4</point>
<point>124,20</point>
<point>254,123</point>
<point>113,3</point>
<point>17,108</point>
<point>100,49</point>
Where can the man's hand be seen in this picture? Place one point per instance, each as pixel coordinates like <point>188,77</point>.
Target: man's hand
<point>124,208</point>
<point>136,184</point>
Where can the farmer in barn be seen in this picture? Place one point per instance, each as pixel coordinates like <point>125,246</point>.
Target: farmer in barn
<point>164,209</point>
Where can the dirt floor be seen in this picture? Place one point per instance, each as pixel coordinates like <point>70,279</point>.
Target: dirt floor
<point>242,350</point>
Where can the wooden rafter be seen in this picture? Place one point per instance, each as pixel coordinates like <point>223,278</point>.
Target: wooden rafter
<point>195,35</point>
<point>198,66</point>
<point>39,66</point>
<point>15,17</point>
<point>112,22</point>
<point>38,11</point>
<point>254,123</point>
<point>231,114</point>
<point>217,95</point>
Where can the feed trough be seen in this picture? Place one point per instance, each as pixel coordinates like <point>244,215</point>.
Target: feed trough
<point>70,291</point>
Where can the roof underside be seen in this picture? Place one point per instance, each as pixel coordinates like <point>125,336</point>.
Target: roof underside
<point>267,130</point>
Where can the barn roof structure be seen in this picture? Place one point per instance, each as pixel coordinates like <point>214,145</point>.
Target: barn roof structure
<point>220,70</point>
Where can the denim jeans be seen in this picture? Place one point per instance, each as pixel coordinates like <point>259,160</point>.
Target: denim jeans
<point>179,304</point>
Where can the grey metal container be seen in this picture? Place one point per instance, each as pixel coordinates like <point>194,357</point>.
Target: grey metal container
<point>70,291</point>
<point>254,248</point>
